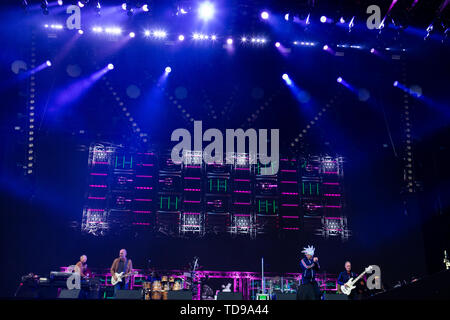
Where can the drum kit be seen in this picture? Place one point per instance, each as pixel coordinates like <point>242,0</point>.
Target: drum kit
<point>159,289</point>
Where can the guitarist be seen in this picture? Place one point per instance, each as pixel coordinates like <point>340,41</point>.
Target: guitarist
<point>121,264</point>
<point>344,276</point>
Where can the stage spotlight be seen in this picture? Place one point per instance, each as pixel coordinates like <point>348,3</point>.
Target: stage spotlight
<point>110,66</point>
<point>277,44</point>
<point>372,50</point>
<point>80,31</point>
<point>48,63</point>
<point>132,34</point>
<point>97,8</point>
<point>244,39</point>
<point>206,11</point>
<point>323,19</point>
<point>342,20</point>
<point>80,4</point>
<point>265,15</point>
<point>124,6</point>
<point>325,47</point>
<point>147,33</point>
<point>286,17</point>
<point>213,37</point>
<point>159,34</point>
<point>145,7</point>
<point>168,69</point>
<point>395,83</point>
<point>339,80</point>
<point>229,41</point>
<point>60,2</point>
<point>181,37</point>
<point>286,79</point>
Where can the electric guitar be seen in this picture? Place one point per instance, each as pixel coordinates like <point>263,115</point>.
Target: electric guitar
<point>121,276</point>
<point>350,284</point>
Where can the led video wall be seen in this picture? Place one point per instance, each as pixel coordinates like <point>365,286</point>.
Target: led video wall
<point>146,191</point>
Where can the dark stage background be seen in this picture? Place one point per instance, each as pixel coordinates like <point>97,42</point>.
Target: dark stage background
<point>402,232</point>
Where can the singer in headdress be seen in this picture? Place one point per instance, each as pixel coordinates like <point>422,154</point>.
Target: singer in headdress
<point>309,289</point>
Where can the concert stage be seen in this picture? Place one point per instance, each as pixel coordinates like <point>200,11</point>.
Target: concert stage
<point>207,151</point>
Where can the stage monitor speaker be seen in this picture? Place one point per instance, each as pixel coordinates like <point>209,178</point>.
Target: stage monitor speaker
<point>285,296</point>
<point>229,296</point>
<point>69,294</point>
<point>329,296</point>
<point>179,295</point>
<point>128,295</point>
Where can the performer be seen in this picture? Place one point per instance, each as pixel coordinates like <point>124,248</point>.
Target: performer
<point>309,289</point>
<point>121,264</point>
<point>81,267</point>
<point>344,276</point>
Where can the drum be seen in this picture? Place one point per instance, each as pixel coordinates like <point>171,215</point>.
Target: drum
<point>146,285</point>
<point>147,290</point>
<point>156,290</point>
<point>177,285</point>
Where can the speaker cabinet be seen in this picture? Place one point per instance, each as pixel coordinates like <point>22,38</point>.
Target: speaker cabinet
<point>229,296</point>
<point>128,295</point>
<point>69,294</point>
<point>285,296</point>
<point>328,296</point>
<point>179,295</point>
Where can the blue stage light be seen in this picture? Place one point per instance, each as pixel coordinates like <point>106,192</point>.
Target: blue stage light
<point>145,7</point>
<point>48,62</point>
<point>132,34</point>
<point>265,15</point>
<point>339,80</point>
<point>110,66</point>
<point>395,83</point>
<point>277,44</point>
<point>206,11</point>
<point>325,47</point>
<point>323,19</point>
<point>181,37</point>
<point>229,41</point>
<point>168,69</point>
<point>285,76</point>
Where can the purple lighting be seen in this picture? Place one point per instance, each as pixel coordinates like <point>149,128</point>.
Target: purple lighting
<point>206,11</point>
<point>396,84</point>
<point>277,44</point>
<point>325,47</point>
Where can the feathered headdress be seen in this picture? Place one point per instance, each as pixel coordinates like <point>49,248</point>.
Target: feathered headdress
<point>309,250</point>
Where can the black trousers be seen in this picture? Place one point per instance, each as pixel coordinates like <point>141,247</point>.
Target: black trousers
<point>309,291</point>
